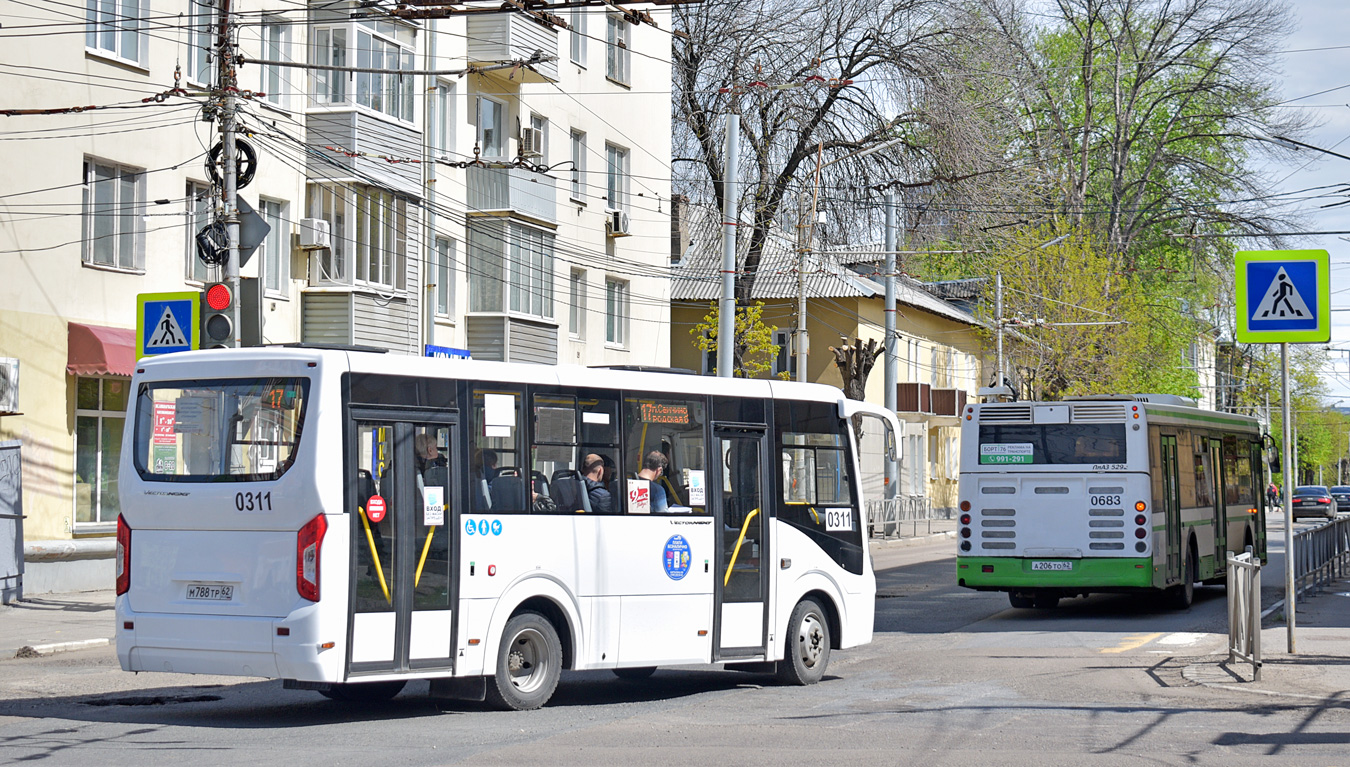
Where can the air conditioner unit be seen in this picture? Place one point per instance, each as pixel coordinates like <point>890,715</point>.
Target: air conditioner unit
<point>9,385</point>
<point>314,234</point>
<point>617,223</point>
<point>531,142</point>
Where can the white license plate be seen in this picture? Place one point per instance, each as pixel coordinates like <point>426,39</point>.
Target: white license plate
<point>210,591</point>
<point>1051,565</point>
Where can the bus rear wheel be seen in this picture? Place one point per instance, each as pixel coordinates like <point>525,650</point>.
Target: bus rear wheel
<point>1022,600</point>
<point>529,664</point>
<point>808,645</point>
<point>1183,594</point>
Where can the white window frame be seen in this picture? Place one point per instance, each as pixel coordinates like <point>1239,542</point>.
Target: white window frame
<point>616,177</point>
<point>577,35</point>
<point>329,48</point>
<point>576,299</point>
<point>203,26</point>
<point>359,43</point>
<point>511,268</point>
<point>113,25</point>
<point>200,208</point>
<point>274,44</point>
<point>498,129</point>
<point>786,361</point>
<point>381,238</point>
<point>126,216</point>
<point>332,265</point>
<point>276,247</point>
<point>446,271</point>
<point>442,137</point>
<point>540,123</point>
<point>101,415</point>
<point>578,166</point>
<point>618,60</point>
<point>616,312</point>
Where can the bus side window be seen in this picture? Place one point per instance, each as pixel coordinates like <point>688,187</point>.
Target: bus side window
<point>672,429</point>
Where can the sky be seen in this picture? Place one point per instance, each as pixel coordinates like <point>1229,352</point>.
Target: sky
<point>1325,25</point>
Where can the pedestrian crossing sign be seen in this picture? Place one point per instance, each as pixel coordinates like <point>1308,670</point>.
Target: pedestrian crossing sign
<point>167,322</point>
<point>1283,296</point>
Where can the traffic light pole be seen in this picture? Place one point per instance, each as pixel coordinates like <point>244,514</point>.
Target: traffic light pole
<point>225,58</point>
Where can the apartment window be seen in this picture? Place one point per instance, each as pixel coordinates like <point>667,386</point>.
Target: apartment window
<point>202,30</point>
<point>616,177</point>
<point>276,46</point>
<point>491,118</point>
<point>616,312</point>
<point>576,296</point>
<point>381,237</point>
<point>380,45</point>
<point>330,265</point>
<point>578,35</point>
<point>443,120</point>
<point>539,125</point>
<point>786,361</point>
<point>578,164</point>
<point>199,214</point>
<point>114,199</point>
<point>100,412</point>
<point>117,28</point>
<point>510,268</point>
<point>445,276</point>
<point>616,49</point>
<point>276,264</point>
<point>933,366</point>
<point>330,49</point>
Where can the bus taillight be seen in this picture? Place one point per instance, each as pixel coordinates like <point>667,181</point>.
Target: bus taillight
<point>308,543</point>
<point>123,555</point>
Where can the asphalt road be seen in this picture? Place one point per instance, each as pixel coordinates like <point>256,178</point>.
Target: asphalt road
<point>953,677</point>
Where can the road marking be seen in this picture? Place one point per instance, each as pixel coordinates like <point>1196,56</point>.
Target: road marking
<point>1132,642</point>
<point>1183,638</point>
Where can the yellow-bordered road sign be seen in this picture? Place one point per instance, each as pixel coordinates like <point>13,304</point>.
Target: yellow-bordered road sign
<point>1283,296</point>
<point>167,322</point>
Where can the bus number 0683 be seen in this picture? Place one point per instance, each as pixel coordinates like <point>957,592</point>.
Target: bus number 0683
<point>1105,500</point>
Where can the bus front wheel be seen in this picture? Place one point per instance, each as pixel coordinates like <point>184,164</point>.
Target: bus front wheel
<point>808,645</point>
<point>529,664</point>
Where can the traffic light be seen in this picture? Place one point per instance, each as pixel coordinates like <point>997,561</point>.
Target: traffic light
<point>218,316</point>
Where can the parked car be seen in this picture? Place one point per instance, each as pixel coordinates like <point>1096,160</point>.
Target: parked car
<point>1341,494</point>
<point>1313,501</point>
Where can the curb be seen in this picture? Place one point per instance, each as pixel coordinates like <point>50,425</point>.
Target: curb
<point>920,540</point>
<point>38,650</point>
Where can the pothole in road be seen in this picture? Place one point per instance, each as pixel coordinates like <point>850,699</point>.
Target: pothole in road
<point>151,700</point>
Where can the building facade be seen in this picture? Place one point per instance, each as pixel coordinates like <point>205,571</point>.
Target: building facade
<point>508,198</point>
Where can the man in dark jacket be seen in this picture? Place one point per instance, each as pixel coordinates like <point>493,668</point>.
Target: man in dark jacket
<point>593,473</point>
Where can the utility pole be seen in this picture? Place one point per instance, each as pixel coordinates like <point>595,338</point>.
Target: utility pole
<point>226,86</point>
<point>726,314</point>
<point>892,367</point>
<point>998,319</point>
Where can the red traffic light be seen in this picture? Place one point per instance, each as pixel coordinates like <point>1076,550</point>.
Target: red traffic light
<point>218,297</point>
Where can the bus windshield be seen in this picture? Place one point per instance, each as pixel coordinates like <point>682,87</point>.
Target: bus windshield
<point>219,430</point>
<point>1063,443</point>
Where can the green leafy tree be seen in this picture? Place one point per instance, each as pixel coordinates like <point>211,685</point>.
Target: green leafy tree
<point>754,351</point>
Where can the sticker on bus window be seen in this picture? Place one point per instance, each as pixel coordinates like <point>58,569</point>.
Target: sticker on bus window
<point>1012,452</point>
<point>433,505</point>
<point>639,496</point>
<point>839,520</point>
<point>696,488</point>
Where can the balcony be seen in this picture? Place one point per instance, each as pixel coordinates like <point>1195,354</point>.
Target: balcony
<point>500,37</point>
<point>512,191</point>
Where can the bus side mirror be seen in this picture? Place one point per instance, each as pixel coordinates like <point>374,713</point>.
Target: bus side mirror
<point>892,450</point>
<point>1275,464</point>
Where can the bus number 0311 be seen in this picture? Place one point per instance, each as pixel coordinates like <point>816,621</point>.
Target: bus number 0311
<point>253,501</point>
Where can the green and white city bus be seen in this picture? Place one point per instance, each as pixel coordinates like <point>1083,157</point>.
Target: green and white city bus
<point>1105,494</point>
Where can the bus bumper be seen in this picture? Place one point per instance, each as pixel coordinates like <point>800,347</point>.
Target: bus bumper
<point>227,645</point>
<point>1003,573</point>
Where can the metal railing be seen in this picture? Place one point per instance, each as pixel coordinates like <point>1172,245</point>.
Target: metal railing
<point>1244,610</point>
<point>1322,555</point>
<point>891,517</point>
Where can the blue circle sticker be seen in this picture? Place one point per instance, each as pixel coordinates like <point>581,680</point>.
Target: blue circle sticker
<point>676,560</point>
<point>482,527</point>
<point>469,527</point>
<point>496,527</point>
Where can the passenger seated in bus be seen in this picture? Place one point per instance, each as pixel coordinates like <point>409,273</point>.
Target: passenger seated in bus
<point>484,471</point>
<point>431,466</point>
<point>653,468</point>
<point>593,473</point>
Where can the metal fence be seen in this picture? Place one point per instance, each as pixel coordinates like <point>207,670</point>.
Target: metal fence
<point>902,515</point>
<point>1322,555</point>
<point>1244,610</point>
<point>11,523</point>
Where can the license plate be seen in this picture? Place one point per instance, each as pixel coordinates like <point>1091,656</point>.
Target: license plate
<point>1051,565</point>
<point>210,591</point>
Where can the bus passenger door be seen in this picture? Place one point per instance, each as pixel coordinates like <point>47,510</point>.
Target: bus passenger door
<point>402,593</point>
<point>1171,491</point>
<point>742,521</point>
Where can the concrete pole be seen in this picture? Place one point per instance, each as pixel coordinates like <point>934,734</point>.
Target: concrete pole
<point>230,170</point>
<point>726,315</point>
<point>998,319</point>
<point>892,347</point>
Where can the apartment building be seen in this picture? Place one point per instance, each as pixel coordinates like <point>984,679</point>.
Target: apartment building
<point>507,199</point>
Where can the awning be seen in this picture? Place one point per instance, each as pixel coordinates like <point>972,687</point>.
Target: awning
<point>95,350</point>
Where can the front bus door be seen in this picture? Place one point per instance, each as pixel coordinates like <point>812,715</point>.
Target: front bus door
<point>402,514</point>
<point>742,519</point>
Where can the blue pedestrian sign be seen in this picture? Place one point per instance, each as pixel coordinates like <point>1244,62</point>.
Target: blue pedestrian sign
<point>1283,296</point>
<point>167,322</point>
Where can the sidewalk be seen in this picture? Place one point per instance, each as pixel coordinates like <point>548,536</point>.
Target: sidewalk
<point>50,623</point>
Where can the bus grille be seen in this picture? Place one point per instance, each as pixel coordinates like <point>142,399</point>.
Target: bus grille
<point>1098,412</point>
<point>1005,414</point>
